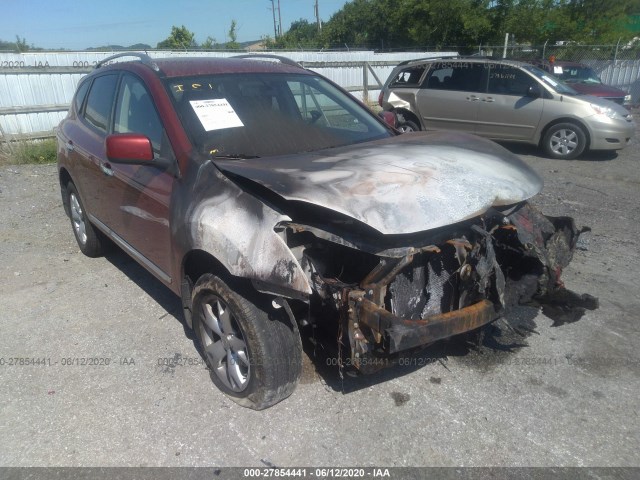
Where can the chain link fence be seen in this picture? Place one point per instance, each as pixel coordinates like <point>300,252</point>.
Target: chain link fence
<point>568,51</point>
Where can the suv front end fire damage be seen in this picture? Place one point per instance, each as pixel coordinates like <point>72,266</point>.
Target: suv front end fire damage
<point>461,279</point>
<point>384,287</point>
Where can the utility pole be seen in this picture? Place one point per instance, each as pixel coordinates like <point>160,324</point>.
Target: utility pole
<point>279,20</point>
<point>275,30</point>
<point>316,12</point>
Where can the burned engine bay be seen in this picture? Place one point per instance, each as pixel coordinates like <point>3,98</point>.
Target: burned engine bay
<point>381,301</point>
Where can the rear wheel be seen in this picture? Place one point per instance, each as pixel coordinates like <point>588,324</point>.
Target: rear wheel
<point>408,126</point>
<point>88,238</point>
<point>564,141</point>
<point>252,350</point>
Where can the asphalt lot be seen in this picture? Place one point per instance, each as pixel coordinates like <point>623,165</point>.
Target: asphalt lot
<point>533,394</point>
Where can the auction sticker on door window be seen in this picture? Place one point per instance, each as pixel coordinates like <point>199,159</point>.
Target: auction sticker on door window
<point>216,114</point>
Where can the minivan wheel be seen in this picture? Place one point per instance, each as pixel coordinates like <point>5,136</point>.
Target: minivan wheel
<point>88,238</point>
<point>252,350</point>
<point>564,141</point>
<point>408,126</point>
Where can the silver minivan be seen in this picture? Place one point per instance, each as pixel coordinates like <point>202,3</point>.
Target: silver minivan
<point>504,100</point>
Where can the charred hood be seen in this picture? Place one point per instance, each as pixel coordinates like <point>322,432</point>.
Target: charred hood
<point>400,185</point>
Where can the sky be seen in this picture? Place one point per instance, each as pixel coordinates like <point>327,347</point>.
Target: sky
<point>80,24</point>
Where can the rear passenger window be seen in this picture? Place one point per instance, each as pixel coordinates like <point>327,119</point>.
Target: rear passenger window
<point>409,77</point>
<point>455,75</point>
<point>100,100</point>
<point>505,80</point>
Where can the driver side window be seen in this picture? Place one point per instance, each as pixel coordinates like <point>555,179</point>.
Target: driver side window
<point>136,113</point>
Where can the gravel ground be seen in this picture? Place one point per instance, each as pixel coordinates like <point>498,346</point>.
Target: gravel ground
<point>546,396</point>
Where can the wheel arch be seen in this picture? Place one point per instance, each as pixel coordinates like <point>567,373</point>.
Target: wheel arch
<point>64,177</point>
<point>571,120</point>
<point>195,264</point>
<point>407,114</point>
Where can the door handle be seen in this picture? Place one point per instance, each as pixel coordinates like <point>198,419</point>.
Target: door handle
<point>488,99</point>
<point>473,98</point>
<point>106,169</point>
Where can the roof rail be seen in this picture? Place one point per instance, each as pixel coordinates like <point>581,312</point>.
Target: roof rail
<point>144,58</point>
<point>406,62</point>
<point>285,60</point>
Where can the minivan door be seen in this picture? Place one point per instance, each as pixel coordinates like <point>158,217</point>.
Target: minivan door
<point>449,97</point>
<point>512,107</point>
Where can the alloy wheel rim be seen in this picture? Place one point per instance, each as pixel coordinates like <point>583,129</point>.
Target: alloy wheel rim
<point>224,345</point>
<point>564,141</point>
<point>77,218</point>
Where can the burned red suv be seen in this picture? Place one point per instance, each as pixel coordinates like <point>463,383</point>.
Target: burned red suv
<point>277,206</point>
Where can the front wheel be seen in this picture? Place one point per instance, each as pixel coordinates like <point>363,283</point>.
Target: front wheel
<point>564,141</point>
<point>252,350</point>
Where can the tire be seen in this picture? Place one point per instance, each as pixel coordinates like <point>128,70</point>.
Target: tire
<point>564,141</point>
<point>252,350</point>
<point>89,239</point>
<point>408,126</point>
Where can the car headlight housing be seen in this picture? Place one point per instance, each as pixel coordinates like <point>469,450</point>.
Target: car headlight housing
<point>606,111</point>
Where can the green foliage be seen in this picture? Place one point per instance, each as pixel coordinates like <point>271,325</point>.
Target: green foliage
<point>19,46</point>
<point>233,44</point>
<point>35,152</point>
<point>180,39</point>
<point>209,43</point>
<point>388,24</point>
<point>301,34</point>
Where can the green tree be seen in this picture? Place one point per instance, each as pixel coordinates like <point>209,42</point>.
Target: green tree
<point>180,39</point>
<point>209,43</point>
<point>301,34</point>
<point>21,44</point>
<point>597,21</point>
<point>232,44</point>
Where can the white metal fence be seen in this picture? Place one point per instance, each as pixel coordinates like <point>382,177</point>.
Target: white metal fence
<point>36,88</point>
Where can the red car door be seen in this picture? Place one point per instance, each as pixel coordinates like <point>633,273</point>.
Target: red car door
<point>140,194</point>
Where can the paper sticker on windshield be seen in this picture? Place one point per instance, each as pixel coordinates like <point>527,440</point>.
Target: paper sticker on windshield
<point>216,114</point>
<point>557,70</point>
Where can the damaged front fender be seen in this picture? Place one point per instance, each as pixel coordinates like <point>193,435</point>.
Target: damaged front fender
<point>238,230</point>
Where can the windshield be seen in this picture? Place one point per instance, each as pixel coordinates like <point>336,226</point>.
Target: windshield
<point>577,75</point>
<point>554,82</point>
<point>255,115</point>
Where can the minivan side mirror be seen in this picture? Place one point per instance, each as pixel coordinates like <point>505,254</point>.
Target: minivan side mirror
<point>533,91</point>
<point>130,148</point>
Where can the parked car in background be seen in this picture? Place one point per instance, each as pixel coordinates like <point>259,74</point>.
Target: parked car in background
<point>583,79</point>
<point>277,205</point>
<point>504,100</point>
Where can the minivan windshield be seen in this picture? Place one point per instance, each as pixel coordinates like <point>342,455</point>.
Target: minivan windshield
<point>252,115</point>
<point>554,82</point>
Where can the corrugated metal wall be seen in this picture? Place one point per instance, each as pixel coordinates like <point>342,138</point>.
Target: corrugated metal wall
<point>624,74</point>
<point>48,80</point>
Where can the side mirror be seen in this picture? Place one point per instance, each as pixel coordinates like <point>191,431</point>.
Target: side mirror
<point>533,91</point>
<point>129,148</point>
<point>389,118</point>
